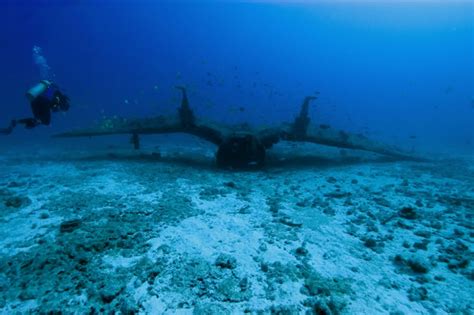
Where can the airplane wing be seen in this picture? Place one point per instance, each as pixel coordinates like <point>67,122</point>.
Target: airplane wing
<point>155,125</point>
<point>328,136</point>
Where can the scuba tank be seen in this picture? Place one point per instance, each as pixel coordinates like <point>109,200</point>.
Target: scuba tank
<point>38,89</point>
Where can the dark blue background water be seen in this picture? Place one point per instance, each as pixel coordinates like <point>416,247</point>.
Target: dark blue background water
<point>391,70</point>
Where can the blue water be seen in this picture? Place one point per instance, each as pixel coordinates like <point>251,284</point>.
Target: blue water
<point>392,70</point>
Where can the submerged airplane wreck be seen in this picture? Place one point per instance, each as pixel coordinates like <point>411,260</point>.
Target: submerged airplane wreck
<point>238,146</point>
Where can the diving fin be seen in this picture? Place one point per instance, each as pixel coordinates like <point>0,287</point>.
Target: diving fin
<point>9,129</point>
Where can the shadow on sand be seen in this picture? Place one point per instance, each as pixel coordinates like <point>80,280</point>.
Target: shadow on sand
<point>286,163</point>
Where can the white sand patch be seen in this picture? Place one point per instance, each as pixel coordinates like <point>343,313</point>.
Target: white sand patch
<point>19,228</point>
<point>207,236</point>
<point>154,306</point>
<point>119,261</point>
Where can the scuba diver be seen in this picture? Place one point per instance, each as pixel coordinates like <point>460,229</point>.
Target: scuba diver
<point>45,98</point>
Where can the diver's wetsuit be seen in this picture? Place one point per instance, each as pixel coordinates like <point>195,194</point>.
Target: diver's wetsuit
<point>42,106</point>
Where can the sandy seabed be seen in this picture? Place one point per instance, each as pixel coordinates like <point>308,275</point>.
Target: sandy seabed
<point>165,232</point>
